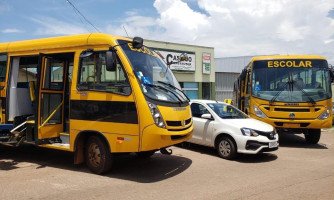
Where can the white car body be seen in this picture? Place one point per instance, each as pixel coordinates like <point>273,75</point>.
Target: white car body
<point>206,131</point>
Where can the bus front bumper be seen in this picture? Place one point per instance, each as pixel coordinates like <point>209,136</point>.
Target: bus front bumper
<point>154,138</point>
<point>297,123</point>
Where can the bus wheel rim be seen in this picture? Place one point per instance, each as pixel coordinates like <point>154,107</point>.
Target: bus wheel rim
<point>94,155</point>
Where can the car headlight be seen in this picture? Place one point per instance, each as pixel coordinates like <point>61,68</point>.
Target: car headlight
<point>157,117</point>
<point>324,115</point>
<point>259,112</point>
<point>248,132</point>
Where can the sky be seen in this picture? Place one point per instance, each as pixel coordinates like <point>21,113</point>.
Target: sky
<point>232,27</point>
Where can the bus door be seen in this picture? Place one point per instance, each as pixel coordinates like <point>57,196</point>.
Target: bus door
<point>51,95</point>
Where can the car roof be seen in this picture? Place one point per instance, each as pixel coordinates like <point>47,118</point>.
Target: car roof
<point>206,101</point>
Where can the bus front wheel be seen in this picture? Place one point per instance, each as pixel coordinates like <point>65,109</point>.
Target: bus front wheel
<point>312,136</point>
<point>97,155</point>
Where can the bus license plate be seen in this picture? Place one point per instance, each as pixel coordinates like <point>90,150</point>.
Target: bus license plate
<point>273,144</point>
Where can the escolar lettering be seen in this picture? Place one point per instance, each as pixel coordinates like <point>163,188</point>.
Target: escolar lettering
<point>290,63</point>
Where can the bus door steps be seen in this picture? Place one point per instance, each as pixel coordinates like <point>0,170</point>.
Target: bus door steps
<point>65,138</point>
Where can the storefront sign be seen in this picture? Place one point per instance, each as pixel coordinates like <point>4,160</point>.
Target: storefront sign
<point>206,58</point>
<point>179,61</point>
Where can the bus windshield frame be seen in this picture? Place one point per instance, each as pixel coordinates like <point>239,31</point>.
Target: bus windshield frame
<point>157,81</point>
<point>291,80</point>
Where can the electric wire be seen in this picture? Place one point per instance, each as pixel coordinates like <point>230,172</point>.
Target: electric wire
<point>79,13</point>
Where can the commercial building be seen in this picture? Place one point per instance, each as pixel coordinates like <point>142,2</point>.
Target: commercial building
<point>192,65</point>
<point>227,71</point>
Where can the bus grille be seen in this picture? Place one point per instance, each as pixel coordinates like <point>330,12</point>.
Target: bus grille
<point>292,109</point>
<point>178,123</point>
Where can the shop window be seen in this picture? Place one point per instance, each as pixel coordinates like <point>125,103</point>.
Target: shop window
<point>190,89</point>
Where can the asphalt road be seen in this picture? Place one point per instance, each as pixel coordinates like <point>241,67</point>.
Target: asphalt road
<point>295,171</point>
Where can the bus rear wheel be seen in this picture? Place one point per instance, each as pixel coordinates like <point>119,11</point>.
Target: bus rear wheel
<point>97,155</point>
<point>312,136</point>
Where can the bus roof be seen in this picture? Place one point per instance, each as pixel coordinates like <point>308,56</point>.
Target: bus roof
<point>59,42</point>
<point>282,57</point>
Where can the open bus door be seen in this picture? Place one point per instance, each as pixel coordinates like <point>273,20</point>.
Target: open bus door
<point>50,97</point>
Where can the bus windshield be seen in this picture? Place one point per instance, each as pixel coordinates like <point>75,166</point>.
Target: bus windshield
<point>156,79</point>
<point>291,80</point>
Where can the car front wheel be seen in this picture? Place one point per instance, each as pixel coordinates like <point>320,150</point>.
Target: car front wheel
<point>226,148</point>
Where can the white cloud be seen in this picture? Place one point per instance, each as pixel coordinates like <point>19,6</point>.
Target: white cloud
<point>12,30</point>
<point>52,26</point>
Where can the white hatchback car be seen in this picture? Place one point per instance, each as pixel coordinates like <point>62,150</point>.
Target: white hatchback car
<point>229,130</point>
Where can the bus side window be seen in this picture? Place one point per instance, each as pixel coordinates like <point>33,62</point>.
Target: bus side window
<point>94,75</point>
<point>3,67</point>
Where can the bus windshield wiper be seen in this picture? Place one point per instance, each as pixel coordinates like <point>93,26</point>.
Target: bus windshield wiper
<point>162,88</point>
<point>172,86</point>
<point>306,94</point>
<point>279,92</point>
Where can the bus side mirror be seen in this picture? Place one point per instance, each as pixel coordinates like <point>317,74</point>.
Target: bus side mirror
<point>137,42</point>
<point>111,61</point>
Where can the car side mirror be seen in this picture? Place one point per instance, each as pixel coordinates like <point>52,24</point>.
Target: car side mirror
<point>207,116</point>
<point>111,61</point>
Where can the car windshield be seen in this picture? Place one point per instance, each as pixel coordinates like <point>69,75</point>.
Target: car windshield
<point>227,111</point>
<point>156,79</point>
<point>291,80</point>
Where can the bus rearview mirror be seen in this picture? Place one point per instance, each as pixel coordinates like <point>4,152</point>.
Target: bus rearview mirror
<point>111,61</point>
<point>137,42</point>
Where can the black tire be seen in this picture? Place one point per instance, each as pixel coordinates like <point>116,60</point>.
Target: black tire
<point>226,148</point>
<point>97,155</point>
<point>312,136</point>
<point>145,154</point>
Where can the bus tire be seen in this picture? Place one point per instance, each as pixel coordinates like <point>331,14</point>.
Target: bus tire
<point>97,155</point>
<point>312,136</point>
<point>226,148</point>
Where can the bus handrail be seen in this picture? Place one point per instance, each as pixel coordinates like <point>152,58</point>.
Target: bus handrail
<point>51,115</point>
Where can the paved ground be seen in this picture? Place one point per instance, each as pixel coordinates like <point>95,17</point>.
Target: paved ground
<point>295,171</point>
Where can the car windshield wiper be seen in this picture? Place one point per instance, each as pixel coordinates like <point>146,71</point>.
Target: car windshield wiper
<point>311,100</point>
<point>172,86</point>
<point>162,88</point>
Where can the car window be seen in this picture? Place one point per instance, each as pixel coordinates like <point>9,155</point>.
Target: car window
<point>225,111</point>
<point>198,110</point>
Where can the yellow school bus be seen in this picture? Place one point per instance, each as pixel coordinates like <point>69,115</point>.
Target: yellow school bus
<point>290,92</point>
<point>91,94</point>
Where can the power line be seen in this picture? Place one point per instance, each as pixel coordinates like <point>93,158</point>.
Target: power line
<point>78,12</point>
<point>125,31</point>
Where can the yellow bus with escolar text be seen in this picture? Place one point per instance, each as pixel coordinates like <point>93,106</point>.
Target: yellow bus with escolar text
<point>290,92</point>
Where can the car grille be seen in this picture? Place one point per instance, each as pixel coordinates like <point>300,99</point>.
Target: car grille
<point>269,135</point>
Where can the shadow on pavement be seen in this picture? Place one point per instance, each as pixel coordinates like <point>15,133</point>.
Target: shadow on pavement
<point>242,158</point>
<point>128,167</point>
<point>158,167</point>
<point>298,141</point>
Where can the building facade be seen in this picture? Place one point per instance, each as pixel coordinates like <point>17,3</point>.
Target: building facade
<point>227,71</point>
<point>192,65</point>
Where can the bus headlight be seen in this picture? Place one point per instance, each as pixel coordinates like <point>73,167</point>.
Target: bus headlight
<point>259,112</point>
<point>324,115</point>
<point>157,117</point>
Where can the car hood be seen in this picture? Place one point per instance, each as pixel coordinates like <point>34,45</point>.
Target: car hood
<point>248,123</point>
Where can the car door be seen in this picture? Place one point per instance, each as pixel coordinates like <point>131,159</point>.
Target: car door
<point>203,128</point>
